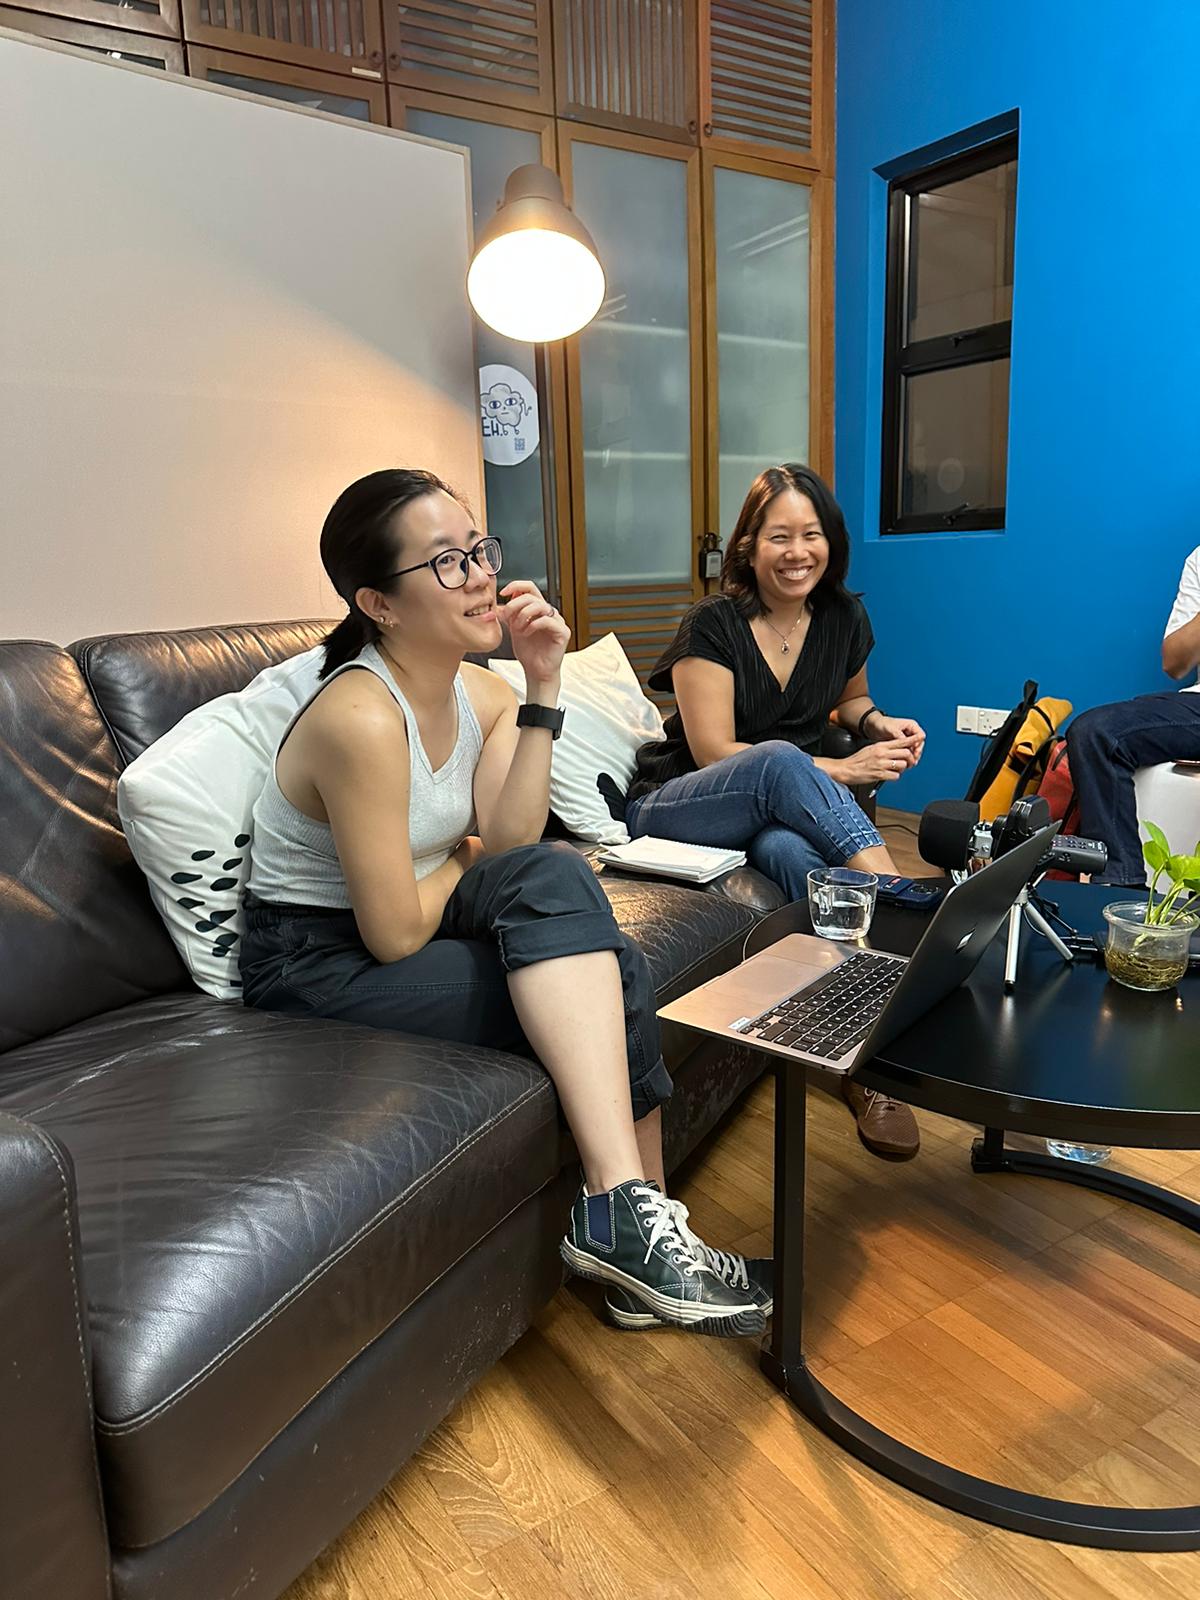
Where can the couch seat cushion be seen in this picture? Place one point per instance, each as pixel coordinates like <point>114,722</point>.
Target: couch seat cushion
<point>688,936</point>
<point>259,1198</point>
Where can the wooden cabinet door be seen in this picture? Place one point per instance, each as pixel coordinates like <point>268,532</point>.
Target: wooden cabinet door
<point>497,51</point>
<point>135,16</point>
<point>148,50</point>
<point>340,35</point>
<point>334,93</point>
<point>764,70</point>
<point>628,64</point>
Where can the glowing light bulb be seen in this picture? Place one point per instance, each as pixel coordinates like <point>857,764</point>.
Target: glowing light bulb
<point>535,275</point>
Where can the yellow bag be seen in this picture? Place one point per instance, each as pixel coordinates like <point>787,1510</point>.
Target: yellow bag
<point>1013,763</point>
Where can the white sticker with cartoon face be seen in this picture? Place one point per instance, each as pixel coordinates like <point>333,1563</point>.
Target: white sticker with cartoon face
<point>508,416</point>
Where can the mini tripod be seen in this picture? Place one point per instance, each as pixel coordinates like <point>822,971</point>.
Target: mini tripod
<point>1026,906</point>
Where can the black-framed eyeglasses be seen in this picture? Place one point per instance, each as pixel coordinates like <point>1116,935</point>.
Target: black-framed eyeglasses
<point>451,567</point>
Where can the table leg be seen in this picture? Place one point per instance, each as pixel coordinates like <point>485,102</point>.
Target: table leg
<point>783,1359</point>
<point>1101,1527</point>
<point>990,1154</point>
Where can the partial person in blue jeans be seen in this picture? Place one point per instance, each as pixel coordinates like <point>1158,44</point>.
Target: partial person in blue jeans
<point>757,671</point>
<point>1108,744</point>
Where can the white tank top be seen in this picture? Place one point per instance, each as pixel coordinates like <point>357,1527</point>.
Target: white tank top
<point>293,859</point>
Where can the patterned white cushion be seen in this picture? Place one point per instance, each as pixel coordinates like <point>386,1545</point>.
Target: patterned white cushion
<point>185,806</point>
<point>608,719</point>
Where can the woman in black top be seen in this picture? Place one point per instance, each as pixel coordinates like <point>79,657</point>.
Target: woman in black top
<point>756,672</point>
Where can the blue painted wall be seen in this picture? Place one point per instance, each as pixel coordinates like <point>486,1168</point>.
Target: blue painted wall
<point>1104,435</point>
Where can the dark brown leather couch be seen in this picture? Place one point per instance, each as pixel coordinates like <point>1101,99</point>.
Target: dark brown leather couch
<point>247,1263</point>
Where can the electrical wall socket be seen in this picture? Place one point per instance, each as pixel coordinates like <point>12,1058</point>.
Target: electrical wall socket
<point>989,722</point>
<point>978,719</point>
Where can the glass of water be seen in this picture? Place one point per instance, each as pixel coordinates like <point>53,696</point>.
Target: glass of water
<point>841,901</point>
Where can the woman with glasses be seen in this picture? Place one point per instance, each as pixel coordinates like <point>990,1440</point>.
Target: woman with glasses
<point>398,879</point>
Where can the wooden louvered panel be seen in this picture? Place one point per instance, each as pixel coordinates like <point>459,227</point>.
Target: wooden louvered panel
<point>760,69</point>
<point>627,64</point>
<point>137,16</point>
<point>497,51</point>
<point>341,34</point>
<point>644,618</point>
<point>149,50</point>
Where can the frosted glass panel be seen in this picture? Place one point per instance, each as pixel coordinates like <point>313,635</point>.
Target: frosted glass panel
<point>762,248</point>
<point>337,105</point>
<point>635,368</point>
<point>515,513</point>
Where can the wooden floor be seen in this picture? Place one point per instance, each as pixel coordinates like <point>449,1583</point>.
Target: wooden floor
<point>1022,1330</point>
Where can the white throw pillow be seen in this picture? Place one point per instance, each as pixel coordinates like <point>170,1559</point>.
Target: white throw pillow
<point>608,719</point>
<point>185,806</point>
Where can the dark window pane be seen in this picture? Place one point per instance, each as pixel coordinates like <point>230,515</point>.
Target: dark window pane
<point>961,254</point>
<point>121,55</point>
<point>337,105</point>
<point>954,437</point>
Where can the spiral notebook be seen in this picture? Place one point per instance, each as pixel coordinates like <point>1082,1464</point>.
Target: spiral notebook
<point>667,858</point>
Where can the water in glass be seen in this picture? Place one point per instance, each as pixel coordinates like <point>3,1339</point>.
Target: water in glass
<point>841,902</point>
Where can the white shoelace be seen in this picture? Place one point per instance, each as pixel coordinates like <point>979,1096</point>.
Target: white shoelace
<point>728,1266</point>
<point>681,1245</point>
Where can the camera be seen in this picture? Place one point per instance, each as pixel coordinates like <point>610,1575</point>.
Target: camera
<point>952,836</point>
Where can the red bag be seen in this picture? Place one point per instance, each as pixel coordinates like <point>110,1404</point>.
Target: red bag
<point>1058,791</point>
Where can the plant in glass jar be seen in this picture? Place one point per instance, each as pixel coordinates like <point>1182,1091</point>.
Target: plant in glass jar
<point>1148,940</point>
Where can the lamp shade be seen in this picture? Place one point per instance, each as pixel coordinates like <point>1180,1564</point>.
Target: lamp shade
<point>535,274</point>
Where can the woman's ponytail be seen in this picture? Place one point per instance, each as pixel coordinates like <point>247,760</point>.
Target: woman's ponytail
<point>345,641</point>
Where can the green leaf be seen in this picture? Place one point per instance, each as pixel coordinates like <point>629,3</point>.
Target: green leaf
<point>1155,855</point>
<point>1159,837</point>
<point>1183,867</point>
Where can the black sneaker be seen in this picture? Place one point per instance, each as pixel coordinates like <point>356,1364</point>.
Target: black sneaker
<point>629,1239</point>
<point>753,1276</point>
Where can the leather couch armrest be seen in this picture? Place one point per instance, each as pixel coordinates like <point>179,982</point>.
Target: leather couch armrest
<point>837,743</point>
<point>53,1543</point>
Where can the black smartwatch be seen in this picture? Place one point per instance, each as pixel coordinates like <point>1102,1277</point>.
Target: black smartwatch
<point>541,717</point>
<point>869,712</point>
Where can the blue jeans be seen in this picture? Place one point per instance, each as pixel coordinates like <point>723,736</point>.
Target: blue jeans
<point>1105,747</point>
<point>772,801</point>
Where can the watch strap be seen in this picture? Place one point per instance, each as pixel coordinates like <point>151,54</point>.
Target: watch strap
<point>541,717</point>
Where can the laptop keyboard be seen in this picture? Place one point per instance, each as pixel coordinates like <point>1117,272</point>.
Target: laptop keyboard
<point>833,1015</point>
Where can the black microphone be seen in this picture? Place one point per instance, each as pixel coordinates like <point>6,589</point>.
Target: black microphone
<point>944,835</point>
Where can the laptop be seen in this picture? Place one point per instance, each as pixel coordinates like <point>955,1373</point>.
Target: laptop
<point>832,1005</point>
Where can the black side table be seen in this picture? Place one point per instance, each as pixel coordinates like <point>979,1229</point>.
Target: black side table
<point>1068,1055</point>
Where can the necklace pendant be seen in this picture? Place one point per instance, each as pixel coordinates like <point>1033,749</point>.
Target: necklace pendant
<point>785,648</point>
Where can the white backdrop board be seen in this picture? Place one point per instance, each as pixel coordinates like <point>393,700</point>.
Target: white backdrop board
<point>215,313</point>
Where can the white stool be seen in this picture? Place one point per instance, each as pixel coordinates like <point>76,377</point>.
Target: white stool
<point>1170,795</point>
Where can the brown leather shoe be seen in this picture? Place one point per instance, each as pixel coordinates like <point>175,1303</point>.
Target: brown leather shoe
<point>887,1127</point>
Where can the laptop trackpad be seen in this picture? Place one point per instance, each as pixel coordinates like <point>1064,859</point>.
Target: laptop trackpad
<point>762,981</point>
<point>781,969</point>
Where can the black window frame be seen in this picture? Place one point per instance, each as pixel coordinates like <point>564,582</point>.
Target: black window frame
<point>967,347</point>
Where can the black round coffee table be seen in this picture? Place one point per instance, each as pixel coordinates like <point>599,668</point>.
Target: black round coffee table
<point>1068,1055</point>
